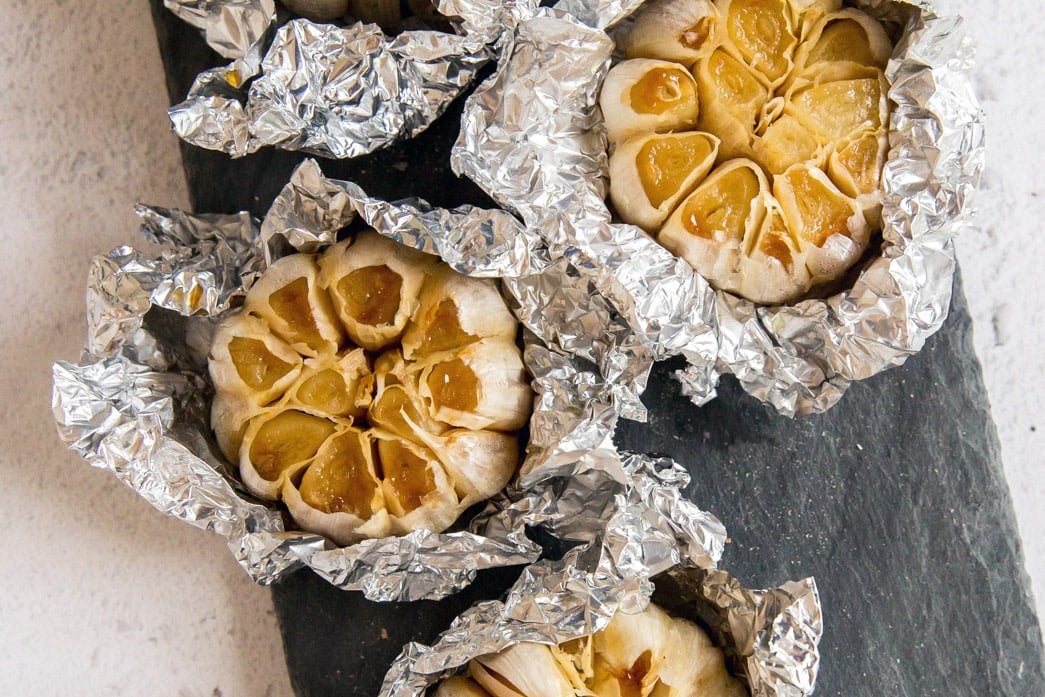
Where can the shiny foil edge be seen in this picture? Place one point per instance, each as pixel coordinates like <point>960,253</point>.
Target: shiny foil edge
<point>799,359</point>
<point>230,27</point>
<point>341,92</point>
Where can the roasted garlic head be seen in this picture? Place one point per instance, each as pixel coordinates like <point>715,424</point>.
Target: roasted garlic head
<point>649,654</point>
<point>749,137</point>
<point>321,408</point>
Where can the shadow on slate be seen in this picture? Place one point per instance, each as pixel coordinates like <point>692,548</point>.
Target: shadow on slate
<point>895,499</point>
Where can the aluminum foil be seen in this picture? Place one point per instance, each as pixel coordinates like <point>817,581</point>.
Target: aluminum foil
<point>340,91</point>
<point>137,402</point>
<point>531,137</point>
<point>770,636</point>
<point>230,27</point>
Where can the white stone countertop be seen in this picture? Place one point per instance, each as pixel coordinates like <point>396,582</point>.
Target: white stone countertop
<point>106,596</point>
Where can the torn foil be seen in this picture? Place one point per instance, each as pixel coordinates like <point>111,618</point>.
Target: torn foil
<point>340,91</point>
<point>137,402</point>
<point>771,637</point>
<point>531,138</point>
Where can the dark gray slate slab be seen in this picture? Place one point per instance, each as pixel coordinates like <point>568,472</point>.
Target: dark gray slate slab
<point>895,500</point>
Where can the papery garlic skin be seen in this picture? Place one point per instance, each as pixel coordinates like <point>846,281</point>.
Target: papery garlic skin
<point>646,95</point>
<point>349,440</point>
<point>681,31</point>
<point>788,87</point>
<point>522,670</point>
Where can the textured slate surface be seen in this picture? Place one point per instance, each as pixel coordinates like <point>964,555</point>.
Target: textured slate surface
<point>894,500</point>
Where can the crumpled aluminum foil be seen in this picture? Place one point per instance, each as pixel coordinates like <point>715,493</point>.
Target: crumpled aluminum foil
<point>771,636</point>
<point>137,402</point>
<point>340,91</point>
<point>230,27</point>
<point>531,138</point>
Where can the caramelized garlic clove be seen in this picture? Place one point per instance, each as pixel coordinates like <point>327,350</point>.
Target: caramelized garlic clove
<point>288,298</point>
<point>480,463</point>
<point>398,406</point>
<point>855,166</point>
<point>415,487</point>
<point>848,36</point>
<point>712,227</point>
<point>521,670</point>
<point>650,174</point>
<point>840,101</point>
<point>773,268</point>
<point>762,35</point>
<point>249,363</point>
<point>482,386</point>
<point>785,143</point>
<point>643,95</point>
<point>829,225</point>
<point>339,386</point>
<point>732,101</point>
<point>340,494</point>
<point>374,284</point>
<point>681,31</point>
<point>277,443</point>
<point>456,310</point>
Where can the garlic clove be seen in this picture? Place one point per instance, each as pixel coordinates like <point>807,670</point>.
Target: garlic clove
<point>459,686</point>
<point>277,443</point>
<point>229,415</point>
<point>829,225</point>
<point>848,36</point>
<point>732,101</point>
<point>760,33</point>
<point>456,310</point>
<point>713,226</point>
<point>398,406</point>
<point>482,386</point>
<point>339,385</point>
<point>773,268</point>
<point>521,670</point>
<point>785,143</point>
<point>855,166</point>
<point>480,463</point>
<point>681,31</point>
<point>288,298</point>
<point>374,284</point>
<point>415,487</point>
<point>650,174</point>
<point>340,494</point>
<point>643,95</point>
<point>840,101</point>
<point>250,363</point>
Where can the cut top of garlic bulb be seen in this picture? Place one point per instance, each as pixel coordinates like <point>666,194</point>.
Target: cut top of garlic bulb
<point>648,654</point>
<point>317,404</point>
<point>792,89</point>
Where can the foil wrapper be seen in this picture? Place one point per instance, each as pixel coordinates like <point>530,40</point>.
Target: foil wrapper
<point>340,91</point>
<point>136,404</point>
<point>230,27</point>
<point>531,137</point>
<point>771,637</point>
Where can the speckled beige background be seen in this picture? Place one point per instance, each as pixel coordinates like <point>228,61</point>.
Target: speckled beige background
<point>102,595</point>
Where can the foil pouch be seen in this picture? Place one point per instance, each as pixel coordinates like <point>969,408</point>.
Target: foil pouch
<point>770,637</point>
<point>137,402</point>
<point>532,137</point>
<point>330,90</point>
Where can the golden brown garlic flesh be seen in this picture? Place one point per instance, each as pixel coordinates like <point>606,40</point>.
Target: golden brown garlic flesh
<point>792,89</point>
<point>358,444</point>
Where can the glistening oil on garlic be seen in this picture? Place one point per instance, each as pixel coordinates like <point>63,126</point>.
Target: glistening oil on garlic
<point>749,138</point>
<point>371,389</point>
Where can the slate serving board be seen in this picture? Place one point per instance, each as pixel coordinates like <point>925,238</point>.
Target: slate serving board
<point>894,500</point>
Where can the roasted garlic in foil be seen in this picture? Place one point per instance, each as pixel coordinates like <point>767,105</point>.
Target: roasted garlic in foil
<point>533,137</point>
<point>372,389</point>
